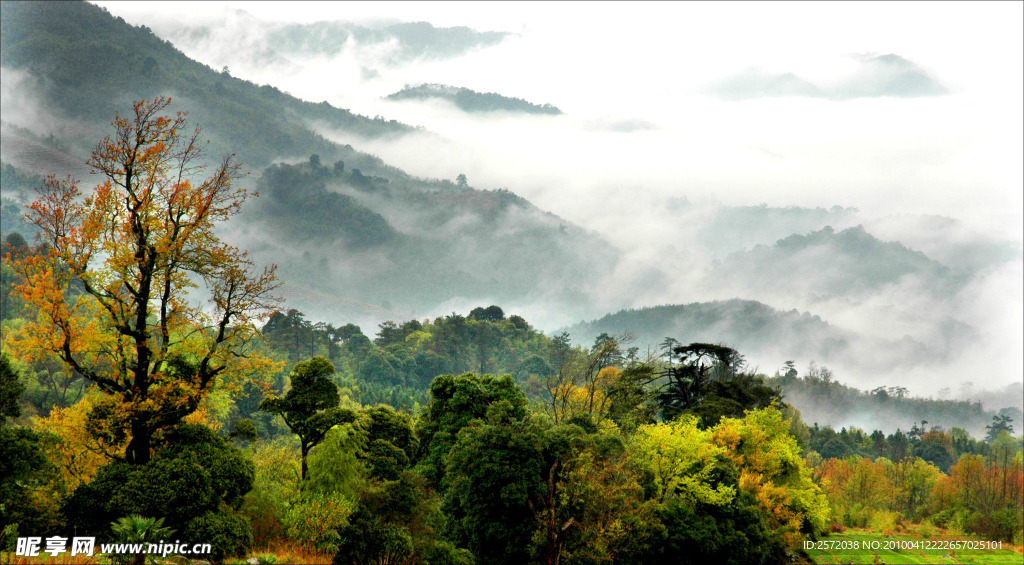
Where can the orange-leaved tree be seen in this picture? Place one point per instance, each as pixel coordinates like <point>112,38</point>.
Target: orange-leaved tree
<point>111,294</point>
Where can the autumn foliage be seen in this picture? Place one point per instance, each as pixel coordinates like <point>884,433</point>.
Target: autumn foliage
<point>111,292</point>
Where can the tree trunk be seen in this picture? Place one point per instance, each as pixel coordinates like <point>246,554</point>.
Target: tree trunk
<point>138,450</point>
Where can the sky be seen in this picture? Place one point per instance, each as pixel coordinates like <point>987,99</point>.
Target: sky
<point>901,110</point>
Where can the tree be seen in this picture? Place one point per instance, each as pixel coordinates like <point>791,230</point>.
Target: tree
<point>575,386</point>
<point>1000,423</point>
<point>24,469</point>
<point>134,246</point>
<point>773,471</point>
<point>196,477</point>
<point>310,408</point>
<point>705,379</point>
<point>10,391</point>
<point>681,460</point>
<point>454,402</point>
<point>461,180</point>
<point>494,470</point>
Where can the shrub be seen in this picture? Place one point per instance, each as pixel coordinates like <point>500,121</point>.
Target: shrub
<point>136,529</point>
<point>195,473</point>
<point>228,534</point>
<point>315,520</point>
<point>884,521</point>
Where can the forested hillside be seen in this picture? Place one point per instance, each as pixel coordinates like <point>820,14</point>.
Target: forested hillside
<point>472,101</point>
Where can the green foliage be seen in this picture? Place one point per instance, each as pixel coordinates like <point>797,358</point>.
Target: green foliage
<point>391,446</point>
<point>706,380</point>
<point>631,404</point>
<point>734,533</point>
<point>337,467</point>
<point>275,489</point>
<point>135,529</point>
<point>196,472</point>
<point>454,402</point>
<point>369,540</point>
<point>25,472</point>
<point>398,520</point>
<point>1000,423</point>
<point>315,520</point>
<point>772,468</point>
<point>228,533</point>
<point>310,407</point>
<point>494,471</point>
<point>10,391</point>
<point>682,461</point>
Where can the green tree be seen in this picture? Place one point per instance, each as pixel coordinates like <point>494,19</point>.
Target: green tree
<point>690,371</point>
<point>494,471</point>
<point>310,407</point>
<point>193,473</point>
<point>454,402</point>
<point>1000,423</point>
<point>682,461</point>
<point>10,391</point>
<point>23,465</point>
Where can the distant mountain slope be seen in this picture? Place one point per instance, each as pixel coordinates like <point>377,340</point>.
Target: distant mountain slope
<point>87,64</point>
<point>471,101</point>
<point>736,228</point>
<point>378,242</point>
<point>756,330</point>
<point>826,263</point>
<point>277,43</point>
<point>412,40</point>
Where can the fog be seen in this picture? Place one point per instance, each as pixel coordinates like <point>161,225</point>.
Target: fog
<point>907,115</point>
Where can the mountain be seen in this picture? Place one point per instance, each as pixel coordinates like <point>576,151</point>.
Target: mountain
<point>756,330</point>
<point>471,101</point>
<point>734,228</point>
<point>84,65</point>
<point>372,238</point>
<point>825,264</point>
<point>410,40</point>
<point>386,242</point>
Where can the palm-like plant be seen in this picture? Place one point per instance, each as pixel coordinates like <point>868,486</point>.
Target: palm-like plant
<point>135,529</point>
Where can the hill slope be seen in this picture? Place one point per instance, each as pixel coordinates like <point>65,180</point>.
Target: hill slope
<point>758,331</point>
<point>354,228</point>
<point>849,263</point>
<point>472,101</point>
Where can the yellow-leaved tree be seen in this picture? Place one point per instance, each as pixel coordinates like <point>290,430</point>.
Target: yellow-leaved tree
<point>773,471</point>
<point>110,295</point>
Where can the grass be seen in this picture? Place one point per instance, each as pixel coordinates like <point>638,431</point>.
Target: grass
<point>286,553</point>
<point>1007,555</point>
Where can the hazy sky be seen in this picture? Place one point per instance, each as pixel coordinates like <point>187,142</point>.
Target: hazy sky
<point>897,109</point>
